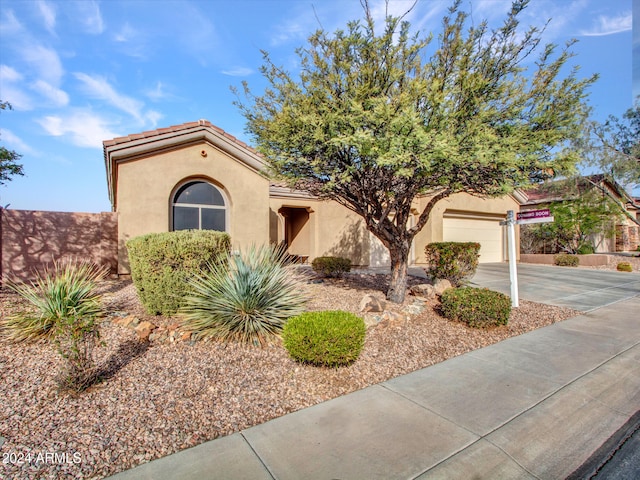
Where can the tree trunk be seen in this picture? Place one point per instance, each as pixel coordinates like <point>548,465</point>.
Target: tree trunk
<point>398,282</point>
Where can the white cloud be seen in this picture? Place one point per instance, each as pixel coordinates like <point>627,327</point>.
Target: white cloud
<point>157,93</point>
<point>153,117</point>
<point>98,87</point>
<point>48,13</point>
<point>45,61</point>
<point>9,74</point>
<point>12,91</point>
<point>238,72</point>
<point>83,128</point>
<point>58,97</point>
<point>126,33</point>
<point>10,25</point>
<point>16,143</point>
<point>609,25</point>
<point>88,12</point>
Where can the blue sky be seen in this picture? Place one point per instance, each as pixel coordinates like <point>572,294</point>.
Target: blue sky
<point>80,72</point>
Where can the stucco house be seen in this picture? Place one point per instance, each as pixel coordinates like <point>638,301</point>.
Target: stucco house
<point>626,236</point>
<point>196,175</point>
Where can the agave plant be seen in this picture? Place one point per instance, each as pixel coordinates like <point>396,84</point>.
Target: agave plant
<point>65,290</point>
<point>248,297</point>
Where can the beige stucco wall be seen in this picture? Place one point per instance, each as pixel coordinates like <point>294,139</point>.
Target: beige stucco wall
<point>335,230</point>
<point>332,230</point>
<point>145,187</point>
<point>460,203</point>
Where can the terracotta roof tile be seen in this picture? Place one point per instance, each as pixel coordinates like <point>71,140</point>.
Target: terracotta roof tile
<point>173,129</point>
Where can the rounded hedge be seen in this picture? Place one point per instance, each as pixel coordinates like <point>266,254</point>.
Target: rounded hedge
<point>624,267</point>
<point>331,266</point>
<point>327,338</point>
<point>566,260</point>
<point>477,307</point>
<point>163,263</point>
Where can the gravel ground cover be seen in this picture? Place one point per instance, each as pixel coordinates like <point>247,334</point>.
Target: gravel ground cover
<point>159,398</point>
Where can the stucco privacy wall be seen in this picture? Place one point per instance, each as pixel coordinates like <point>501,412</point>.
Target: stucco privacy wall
<point>146,187</point>
<point>31,240</point>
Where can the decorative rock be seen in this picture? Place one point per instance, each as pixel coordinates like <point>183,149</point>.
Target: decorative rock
<point>414,309</point>
<point>371,320</point>
<point>441,285</point>
<point>369,303</point>
<point>392,317</point>
<point>425,290</point>
<point>144,329</point>
<point>185,337</point>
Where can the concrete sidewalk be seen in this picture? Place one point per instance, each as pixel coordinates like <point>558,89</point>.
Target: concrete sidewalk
<point>534,406</point>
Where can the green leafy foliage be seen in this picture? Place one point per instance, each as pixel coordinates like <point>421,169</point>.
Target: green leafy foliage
<point>624,267</point>
<point>615,147</point>
<point>477,307</point>
<point>64,291</point>
<point>8,158</point>
<point>379,116</point>
<point>163,263</point>
<point>566,260</point>
<point>331,266</point>
<point>246,298</point>
<point>586,249</point>
<point>327,338</point>
<point>582,213</point>
<point>453,261</point>
<point>66,306</point>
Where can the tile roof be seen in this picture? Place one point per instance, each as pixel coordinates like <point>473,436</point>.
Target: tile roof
<point>176,129</point>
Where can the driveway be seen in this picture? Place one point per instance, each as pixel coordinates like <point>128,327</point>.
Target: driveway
<point>578,288</point>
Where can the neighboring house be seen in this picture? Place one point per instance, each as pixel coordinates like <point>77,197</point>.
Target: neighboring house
<point>195,175</point>
<point>627,232</point>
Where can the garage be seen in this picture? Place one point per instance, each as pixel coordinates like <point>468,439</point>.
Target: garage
<point>484,229</point>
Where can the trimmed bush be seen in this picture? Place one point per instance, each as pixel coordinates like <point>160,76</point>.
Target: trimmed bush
<point>163,263</point>
<point>624,267</point>
<point>327,339</point>
<point>331,266</point>
<point>247,298</point>
<point>453,261</point>
<point>586,249</point>
<point>477,307</point>
<point>566,260</point>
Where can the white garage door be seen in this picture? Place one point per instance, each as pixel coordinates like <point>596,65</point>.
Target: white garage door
<point>488,233</point>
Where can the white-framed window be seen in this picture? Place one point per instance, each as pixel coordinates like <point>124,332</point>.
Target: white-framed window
<point>199,205</point>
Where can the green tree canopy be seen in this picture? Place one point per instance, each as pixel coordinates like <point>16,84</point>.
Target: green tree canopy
<point>616,147</point>
<point>376,118</point>
<point>9,165</point>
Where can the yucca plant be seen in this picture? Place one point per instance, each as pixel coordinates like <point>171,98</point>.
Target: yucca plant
<point>65,307</point>
<point>64,290</point>
<point>246,298</point>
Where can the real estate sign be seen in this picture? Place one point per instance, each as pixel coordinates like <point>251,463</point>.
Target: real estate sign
<point>534,216</point>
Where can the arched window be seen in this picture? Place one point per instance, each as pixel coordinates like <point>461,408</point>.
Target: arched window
<point>199,205</point>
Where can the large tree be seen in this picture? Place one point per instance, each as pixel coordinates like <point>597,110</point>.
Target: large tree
<point>615,148</point>
<point>9,165</point>
<point>378,118</point>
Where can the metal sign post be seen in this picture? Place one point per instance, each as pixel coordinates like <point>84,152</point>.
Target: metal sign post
<point>511,241</point>
<point>532,216</point>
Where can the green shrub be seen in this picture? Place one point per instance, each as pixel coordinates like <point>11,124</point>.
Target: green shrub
<point>331,266</point>
<point>624,267</point>
<point>246,298</point>
<point>66,306</point>
<point>477,307</point>
<point>163,263</point>
<point>65,290</point>
<point>586,249</point>
<point>453,261</point>
<point>566,260</point>
<point>329,338</point>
